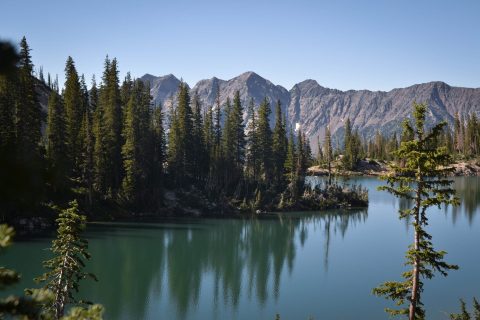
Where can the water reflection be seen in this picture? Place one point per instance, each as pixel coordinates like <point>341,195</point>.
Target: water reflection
<point>468,190</point>
<point>296,264</point>
<point>237,258</point>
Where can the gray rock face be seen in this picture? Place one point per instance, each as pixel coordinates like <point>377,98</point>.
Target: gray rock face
<point>163,88</point>
<point>313,107</point>
<point>249,84</point>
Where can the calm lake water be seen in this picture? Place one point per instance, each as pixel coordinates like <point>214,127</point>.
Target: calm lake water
<point>300,265</point>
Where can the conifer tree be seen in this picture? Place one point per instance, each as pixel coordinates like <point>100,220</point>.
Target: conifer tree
<point>28,112</point>
<point>422,180</point>
<point>208,135</point>
<point>87,164</point>
<point>40,75</point>
<point>85,96</point>
<point>265,141</point>
<point>217,118</point>
<point>28,116</point>
<point>228,135</point>
<point>180,157</point>
<point>328,153</point>
<point>253,147</point>
<point>199,148</point>
<point>347,159</point>
<point>108,152</point>
<point>457,135</point>
<point>308,159</point>
<point>137,150</point>
<point>126,89</point>
<point>130,149</point>
<point>65,269</point>
<point>320,157</point>
<point>239,131</point>
<point>301,154</point>
<point>291,159</point>
<point>56,145</point>
<point>279,145</point>
<point>74,109</point>
<point>159,152</point>
<point>99,150</point>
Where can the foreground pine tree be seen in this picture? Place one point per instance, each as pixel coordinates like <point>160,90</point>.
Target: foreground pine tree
<point>422,181</point>
<point>65,269</point>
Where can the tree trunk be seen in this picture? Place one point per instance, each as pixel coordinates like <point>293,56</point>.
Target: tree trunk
<point>415,278</point>
<point>416,263</point>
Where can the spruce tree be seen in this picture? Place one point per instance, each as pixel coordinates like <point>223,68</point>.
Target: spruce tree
<point>65,269</point>
<point>56,144</point>
<point>130,154</point>
<point>228,136</point>
<point>239,131</point>
<point>301,154</point>
<point>199,149</point>
<point>180,158</point>
<point>328,153</point>
<point>208,136</point>
<point>159,152</point>
<point>265,141</point>
<point>74,109</point>
<point>29,161</point>
<point>28,111</point>
<point>291,159</point>
<point>217,118</point>
<point>347,159</point>
<point>320,157</point>
<point>87,152</point>
<point>109,138</point>
<point>279,144</point>
<point>253,148</point>
<point>137,150</point>
<point>421,180</point>
<point>99,150</point>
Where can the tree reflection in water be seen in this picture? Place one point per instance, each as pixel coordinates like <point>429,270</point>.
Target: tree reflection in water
<point>242,257</point>
<point>468,190</point>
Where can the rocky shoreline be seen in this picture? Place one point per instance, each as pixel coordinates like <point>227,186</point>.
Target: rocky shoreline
<point>375,168</point>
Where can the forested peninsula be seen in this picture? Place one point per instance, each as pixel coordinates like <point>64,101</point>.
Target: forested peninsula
<point>120,156</point>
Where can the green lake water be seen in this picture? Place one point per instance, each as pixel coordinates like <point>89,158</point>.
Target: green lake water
<point>300,265</point>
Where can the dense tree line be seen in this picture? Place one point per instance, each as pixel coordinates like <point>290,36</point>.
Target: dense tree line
<point>462,142</point>
<point>108,144</point>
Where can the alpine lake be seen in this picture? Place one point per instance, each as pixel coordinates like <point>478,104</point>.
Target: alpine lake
<point>301,265</point>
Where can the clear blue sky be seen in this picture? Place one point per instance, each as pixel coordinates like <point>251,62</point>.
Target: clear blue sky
<point>377,45</point>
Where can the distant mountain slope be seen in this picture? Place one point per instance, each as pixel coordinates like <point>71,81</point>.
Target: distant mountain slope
<point>313,106</point>
<point>249,84</point>
<point>162,88</point>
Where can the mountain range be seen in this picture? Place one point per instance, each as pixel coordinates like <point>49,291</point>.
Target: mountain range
<point>312,107</point>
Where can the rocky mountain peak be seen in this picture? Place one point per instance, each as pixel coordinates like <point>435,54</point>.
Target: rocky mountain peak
<point>313,106</point>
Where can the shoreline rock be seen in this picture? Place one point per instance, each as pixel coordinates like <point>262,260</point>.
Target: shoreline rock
<point>374,168</point>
